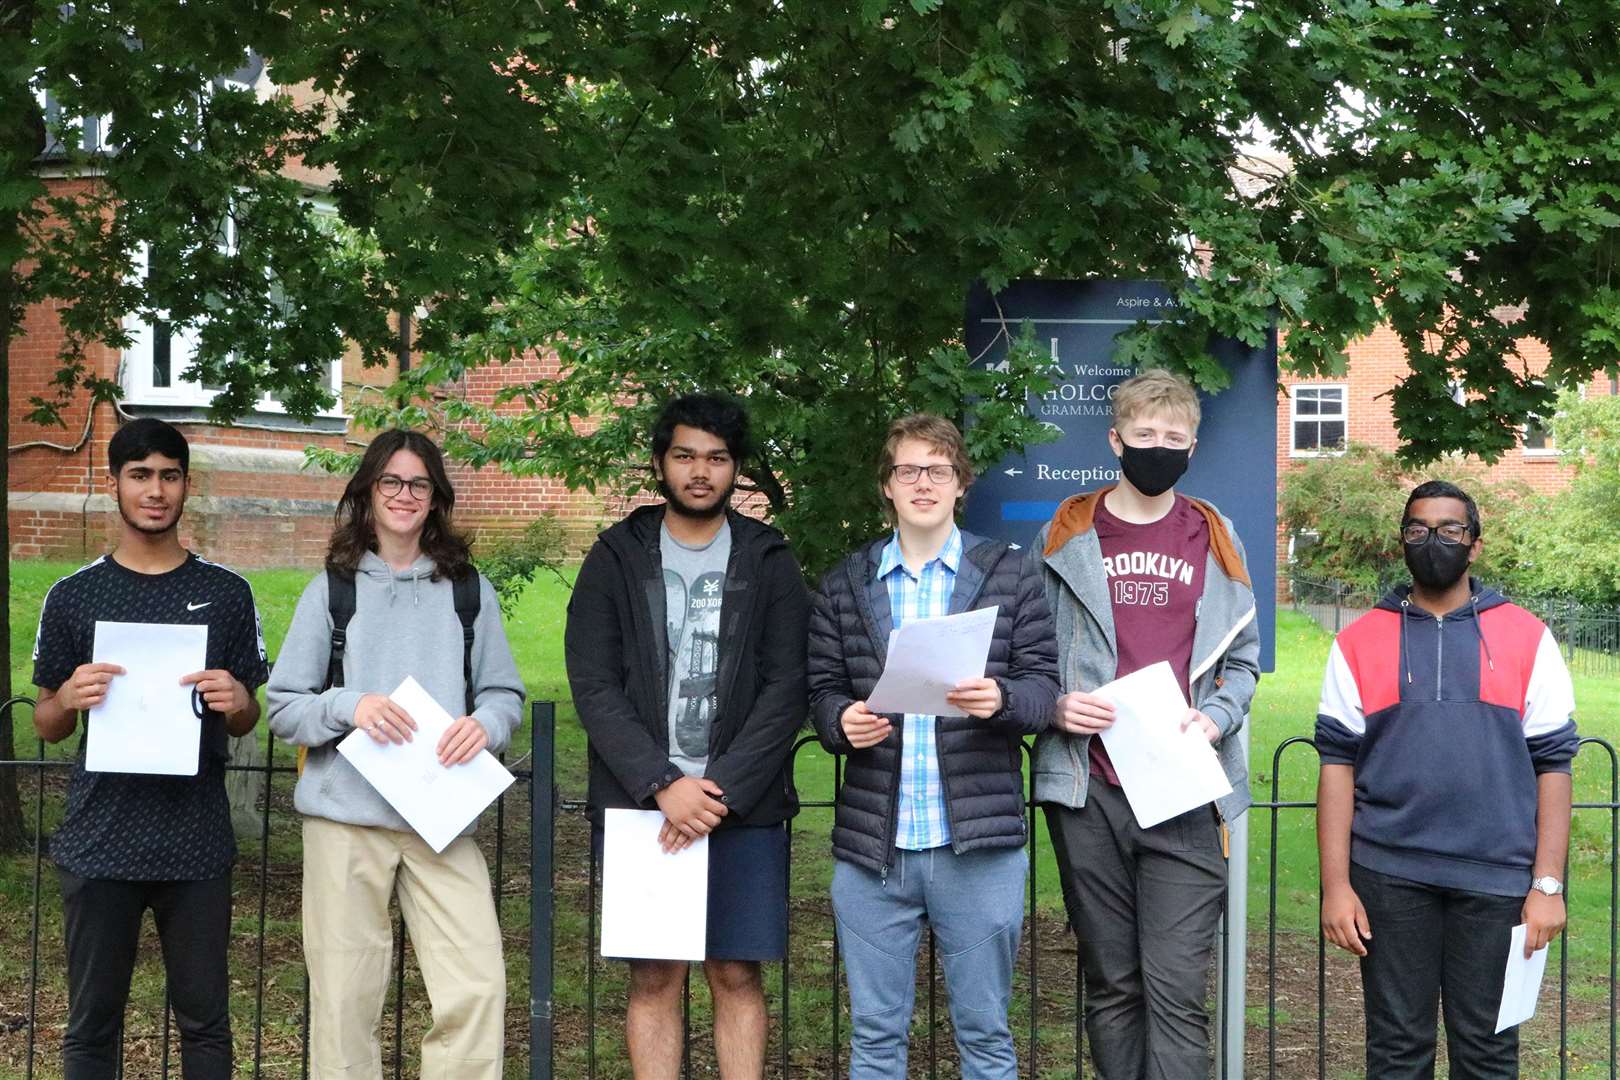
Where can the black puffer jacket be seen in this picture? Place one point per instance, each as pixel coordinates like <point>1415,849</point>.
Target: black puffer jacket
<point>980,763</point>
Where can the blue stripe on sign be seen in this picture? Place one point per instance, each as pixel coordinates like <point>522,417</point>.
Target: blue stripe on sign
<point>1028,511</point>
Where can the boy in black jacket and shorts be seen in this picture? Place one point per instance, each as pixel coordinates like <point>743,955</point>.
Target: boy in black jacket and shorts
<point>685,649</point>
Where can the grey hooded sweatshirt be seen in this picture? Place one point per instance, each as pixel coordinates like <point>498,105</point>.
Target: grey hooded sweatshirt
<point>1225,651</point>
<point>404,623</point>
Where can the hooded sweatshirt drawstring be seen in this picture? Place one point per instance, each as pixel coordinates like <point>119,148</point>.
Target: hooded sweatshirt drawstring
<point>1480,630</point>
<point>415,577</point>
<point>1406,659</point>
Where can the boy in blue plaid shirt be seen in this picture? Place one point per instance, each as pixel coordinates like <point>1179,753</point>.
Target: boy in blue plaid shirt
<point>929,826</point>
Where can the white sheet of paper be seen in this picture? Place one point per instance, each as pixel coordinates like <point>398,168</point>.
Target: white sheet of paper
<point>437,801</point>
<point>1521,982</point>
<point>928,657</point>
<point>655,906</point>
<point>146,723</point>
<point>1165,771</point>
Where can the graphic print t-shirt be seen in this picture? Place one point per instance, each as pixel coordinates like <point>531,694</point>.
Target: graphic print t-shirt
<point>130,827</point>
<point>694,588</point>
<point>1155,576</point>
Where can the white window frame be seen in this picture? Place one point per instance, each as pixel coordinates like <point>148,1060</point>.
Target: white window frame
<point>92,131</point>
<point>1293,416</point>
<point>1542,453</point>
<point>189,393</point>
<point>1294,541</point>
<point>91,137</point>
<point>1547,451</point>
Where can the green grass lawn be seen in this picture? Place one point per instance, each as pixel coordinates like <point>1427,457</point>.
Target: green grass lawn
<point>1284,707</point>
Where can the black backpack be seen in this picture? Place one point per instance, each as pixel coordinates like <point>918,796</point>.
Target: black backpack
<point>340,602</point>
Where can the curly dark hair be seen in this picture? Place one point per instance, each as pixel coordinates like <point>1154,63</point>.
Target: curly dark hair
<point>353,533</point>
<point>720,416</point>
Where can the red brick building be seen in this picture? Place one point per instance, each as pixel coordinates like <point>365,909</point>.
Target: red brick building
<point>253,501</point>
<point>1319,416</point>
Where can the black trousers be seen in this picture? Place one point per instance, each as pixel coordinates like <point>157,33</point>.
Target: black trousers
<point>1145,905</point>
<point>1431,947</point>
<point>102,924</point>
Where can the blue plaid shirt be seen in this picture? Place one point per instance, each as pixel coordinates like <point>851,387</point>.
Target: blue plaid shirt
<point>920,821</point>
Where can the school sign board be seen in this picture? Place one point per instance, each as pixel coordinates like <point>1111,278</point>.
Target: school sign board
<point>1234,465</point>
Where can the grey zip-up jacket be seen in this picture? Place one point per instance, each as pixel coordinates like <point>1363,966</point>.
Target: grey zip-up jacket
<point>1225,653</point>
<point>404,623</point>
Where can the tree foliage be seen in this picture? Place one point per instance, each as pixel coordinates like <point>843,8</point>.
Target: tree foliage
<point>1569,544</point>
<point>1342,514</point>
<point>511,560</point>
<point>1454,173</point>
<point>410,114</point>
<point>788,200</point>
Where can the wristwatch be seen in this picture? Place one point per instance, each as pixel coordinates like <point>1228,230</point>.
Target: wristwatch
<point>1549,886</point>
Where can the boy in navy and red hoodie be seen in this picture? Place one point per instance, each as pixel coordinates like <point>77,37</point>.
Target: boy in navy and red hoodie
<point>1446,737</point>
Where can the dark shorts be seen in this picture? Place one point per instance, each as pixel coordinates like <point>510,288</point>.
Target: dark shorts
<point>748,892</point>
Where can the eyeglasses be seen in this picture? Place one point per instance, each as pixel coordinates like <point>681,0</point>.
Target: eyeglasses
<point>389,485</point>
<point>910,474</point>
<point>1415,533</point>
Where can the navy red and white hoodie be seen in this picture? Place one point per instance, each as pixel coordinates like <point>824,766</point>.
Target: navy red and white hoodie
<point>1447,721</point>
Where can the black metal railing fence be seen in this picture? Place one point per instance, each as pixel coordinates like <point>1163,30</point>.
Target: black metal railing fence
<point>258,865</point>
<point>1589,635</point>
<point>537,853</point>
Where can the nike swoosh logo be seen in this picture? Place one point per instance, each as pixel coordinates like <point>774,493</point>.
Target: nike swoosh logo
<point>197,607</point>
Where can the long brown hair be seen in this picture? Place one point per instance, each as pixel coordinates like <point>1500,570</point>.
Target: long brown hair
<point>353,533</point>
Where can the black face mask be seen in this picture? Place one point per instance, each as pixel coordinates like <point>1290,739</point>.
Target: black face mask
<point>1437,566</point>
<point>1154,470</point>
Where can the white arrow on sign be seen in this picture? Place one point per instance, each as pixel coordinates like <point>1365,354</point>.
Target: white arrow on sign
<point>1014,472</point>
<point>1015,547</point>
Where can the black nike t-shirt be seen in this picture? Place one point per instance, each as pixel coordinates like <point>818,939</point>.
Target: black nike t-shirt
<point>133,827</point>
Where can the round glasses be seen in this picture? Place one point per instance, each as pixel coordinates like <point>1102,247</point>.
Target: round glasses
<point>389,484</point>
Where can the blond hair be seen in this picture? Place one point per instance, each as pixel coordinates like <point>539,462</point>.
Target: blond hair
<point>1156,392</point>
<point>940,435</point>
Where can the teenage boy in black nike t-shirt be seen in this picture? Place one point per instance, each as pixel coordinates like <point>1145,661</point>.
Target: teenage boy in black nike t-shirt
<point>130,842</point>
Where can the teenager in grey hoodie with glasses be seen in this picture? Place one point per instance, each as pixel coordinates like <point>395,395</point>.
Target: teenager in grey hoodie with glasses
<point>394,538</point>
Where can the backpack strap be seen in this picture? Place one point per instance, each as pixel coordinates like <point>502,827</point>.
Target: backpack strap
<point>340,603</point>
<point>468,601</point>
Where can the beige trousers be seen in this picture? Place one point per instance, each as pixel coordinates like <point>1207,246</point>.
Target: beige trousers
<point>349,873</point>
